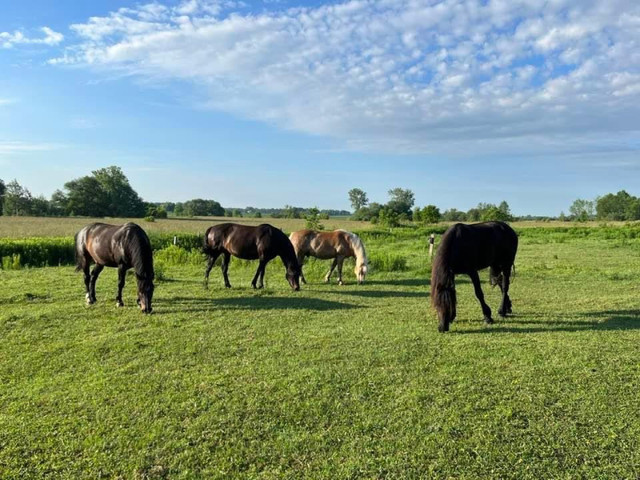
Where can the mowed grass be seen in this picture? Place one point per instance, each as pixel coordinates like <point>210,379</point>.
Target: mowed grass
<point>330,382</point>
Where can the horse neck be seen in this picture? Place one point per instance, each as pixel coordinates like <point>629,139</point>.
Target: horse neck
<point>142,259</point>
<point>358,249</point>
<point>287,253</point>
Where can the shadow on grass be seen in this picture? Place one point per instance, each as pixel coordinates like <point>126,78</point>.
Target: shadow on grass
<point>405,282</point>
<point>606,320</point>
<point>381,293</point>
<point>181,304</point>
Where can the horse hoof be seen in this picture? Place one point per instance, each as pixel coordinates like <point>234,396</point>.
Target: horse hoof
<point>488,320</point>
<point>119,304</point>
<point>502,313</point>
<point>340,282</point>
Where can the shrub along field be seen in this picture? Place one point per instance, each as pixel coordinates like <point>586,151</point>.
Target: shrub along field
<point>329,382</point>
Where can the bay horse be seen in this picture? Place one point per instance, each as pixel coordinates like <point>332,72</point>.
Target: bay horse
<point>465,249</point>
<point>263,243</point>
<point>121,246</point>
<point>338,245</point>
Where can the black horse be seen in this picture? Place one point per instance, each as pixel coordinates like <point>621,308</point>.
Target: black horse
<point>263,243</point>
<point>122,246</point>
<point>467,249</point>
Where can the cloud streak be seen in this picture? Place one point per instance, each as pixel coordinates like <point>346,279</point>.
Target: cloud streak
<point>51,38</point>
<point>452,77</point>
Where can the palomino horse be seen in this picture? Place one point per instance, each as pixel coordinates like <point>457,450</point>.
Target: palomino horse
<point>122,246</point>
<point>263,243</point>
<point>467,249</point>
<point>338,245</point>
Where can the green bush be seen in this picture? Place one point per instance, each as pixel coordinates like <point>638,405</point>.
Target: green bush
<point>39,252</point>
<point>175,255</point>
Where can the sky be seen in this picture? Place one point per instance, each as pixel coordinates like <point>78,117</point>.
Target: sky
<point>272,102</point>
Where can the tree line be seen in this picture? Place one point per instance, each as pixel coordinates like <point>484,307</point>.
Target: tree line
<point>618,206</point>
<point>105,193</point>
<point>400,208</point>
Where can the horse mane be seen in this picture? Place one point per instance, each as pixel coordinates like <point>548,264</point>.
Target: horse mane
<point>358,248</point>
<point>443,291</point>
<point>140,253</point>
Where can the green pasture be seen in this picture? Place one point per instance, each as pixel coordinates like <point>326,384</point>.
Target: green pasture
<point>329,382</point>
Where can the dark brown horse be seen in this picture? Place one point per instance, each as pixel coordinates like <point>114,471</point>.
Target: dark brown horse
<point>263,243</point>
<point>121,246</point>
<point>465,249</point>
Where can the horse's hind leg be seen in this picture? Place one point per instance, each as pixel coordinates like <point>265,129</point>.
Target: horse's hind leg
<point>87,282</point>
<point>210,262</point>
<point>327,277</point>
<point>92,282</point>
<point>505,307</point>
<point>226,258</point>
<point>301,262</point>
<point>478,289</point>
<point>340,262</point>
<point>122,274</point>
<point>258,278</point>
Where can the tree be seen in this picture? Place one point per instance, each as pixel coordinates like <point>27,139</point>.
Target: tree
<point>123,201</point>
<point>312,216</point>
<point>3,189</point>
<point>581,210</point>
<point>454,215</point>
<point>291,212</point>
<point>620,206</point>
<point>58,203</point>
<point>17,200</point>
<point>40,207</point>
<point>199,207</point>
<point>429,214</point>
<point>401,201</point>
<point>358,199</point>
<point>493,213</point>
<point>388,217</point>
<point>85,196</point>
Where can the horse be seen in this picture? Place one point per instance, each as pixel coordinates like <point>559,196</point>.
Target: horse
<point>338,245</point>
<point>465,249</point>
<point>121,246</point>
<point>263,242</point>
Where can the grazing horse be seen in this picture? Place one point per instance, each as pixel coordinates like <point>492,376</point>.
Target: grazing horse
<point>465,249</point>
<point>338,245</point>
<point>122,246</point>
<point>263,243</point>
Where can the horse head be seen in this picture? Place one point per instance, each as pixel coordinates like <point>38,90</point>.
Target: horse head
<point>145,293</point>
<point>293,275</point>
<point>361,271</point>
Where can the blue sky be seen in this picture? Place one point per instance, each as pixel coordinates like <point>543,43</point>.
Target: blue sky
<point>268,103</point>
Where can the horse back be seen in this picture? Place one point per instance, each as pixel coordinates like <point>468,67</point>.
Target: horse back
<point>481,245</point>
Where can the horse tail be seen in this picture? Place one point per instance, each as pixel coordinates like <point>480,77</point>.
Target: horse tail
<point>443,290</point>
<point>78,249</point>
<point>206,248</point>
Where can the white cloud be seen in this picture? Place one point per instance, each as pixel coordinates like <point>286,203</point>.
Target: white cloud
<point>439,77</point>
<point>8,40</point>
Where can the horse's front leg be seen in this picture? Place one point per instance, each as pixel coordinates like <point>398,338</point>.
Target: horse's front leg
<point>92,282</point>
<point>327,277</point>
<point>226,258</point>
<point>259,275</point>
<point>505,306</point>
<point>476,285</point>
<point>340,262</point>
<point>122,274</point>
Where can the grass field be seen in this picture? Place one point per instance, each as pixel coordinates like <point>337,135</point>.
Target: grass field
<point>20,227</point>
<point>330,382</point>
